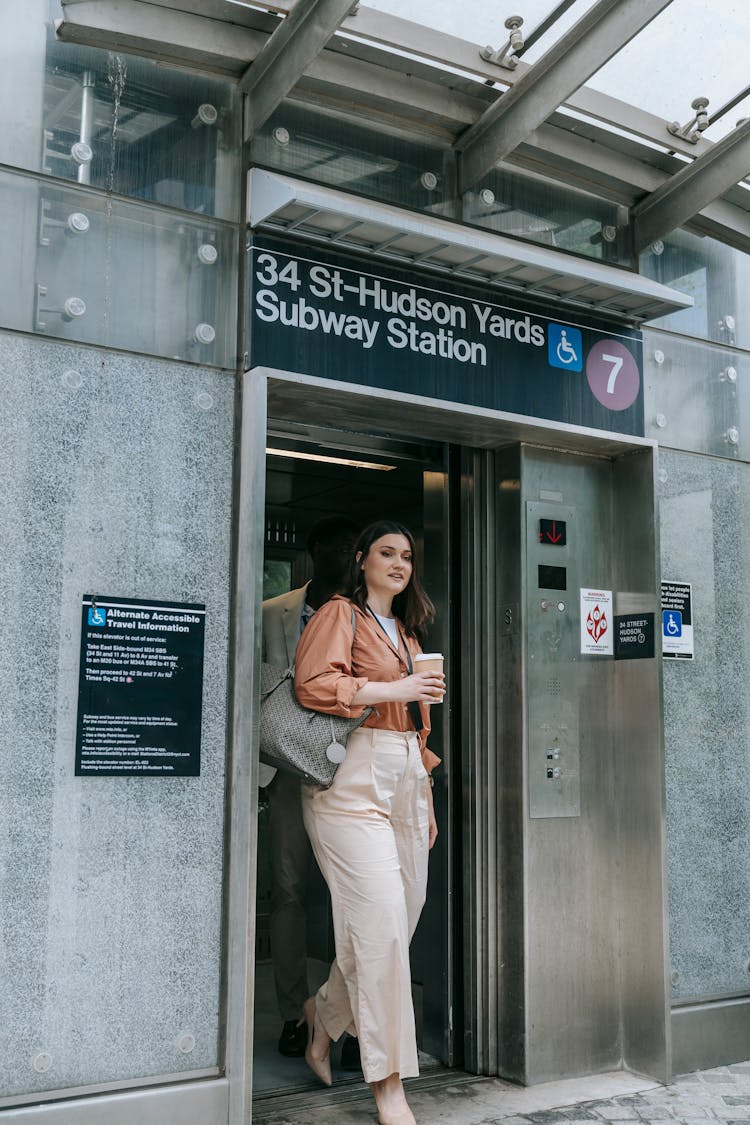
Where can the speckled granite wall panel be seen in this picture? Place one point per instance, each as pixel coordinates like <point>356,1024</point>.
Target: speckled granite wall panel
<point>116,477</point>
<point>705,514</point>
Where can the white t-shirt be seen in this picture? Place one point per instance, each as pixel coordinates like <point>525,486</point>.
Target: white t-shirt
<point>390,626</point>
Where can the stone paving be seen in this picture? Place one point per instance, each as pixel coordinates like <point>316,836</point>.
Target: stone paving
<point>713,1095</point>
<point>721,1095</point>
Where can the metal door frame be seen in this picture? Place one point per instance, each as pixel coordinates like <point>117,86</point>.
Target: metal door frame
<point>283,394</point>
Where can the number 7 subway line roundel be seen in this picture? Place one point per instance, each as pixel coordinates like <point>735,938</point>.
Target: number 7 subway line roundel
<point>613,375</point>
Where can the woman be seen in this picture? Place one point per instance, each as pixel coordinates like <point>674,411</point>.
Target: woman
<point>371,831</point>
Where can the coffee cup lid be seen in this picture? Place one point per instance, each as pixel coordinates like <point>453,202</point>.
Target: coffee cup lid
<point>429,656</point>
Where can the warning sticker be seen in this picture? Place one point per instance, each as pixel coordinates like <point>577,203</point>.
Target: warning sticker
<point>597,631</point>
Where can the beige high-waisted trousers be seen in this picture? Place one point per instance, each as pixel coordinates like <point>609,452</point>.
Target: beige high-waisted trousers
<point>369,833</point>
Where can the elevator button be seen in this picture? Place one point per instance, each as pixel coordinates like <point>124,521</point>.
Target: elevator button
<point>550,773</point>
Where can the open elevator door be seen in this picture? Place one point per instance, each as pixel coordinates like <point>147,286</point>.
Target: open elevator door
<point>313,472</point>
<point>500,880</point>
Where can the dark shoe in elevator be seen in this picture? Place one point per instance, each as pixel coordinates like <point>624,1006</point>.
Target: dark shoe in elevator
<point>293,1039</point>
<point>350,1058</point>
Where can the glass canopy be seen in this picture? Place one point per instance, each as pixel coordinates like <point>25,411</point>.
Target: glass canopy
<point>690,50</point>
<point>422,67</point>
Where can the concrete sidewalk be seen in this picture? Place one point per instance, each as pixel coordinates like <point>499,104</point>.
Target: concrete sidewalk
<point>712,1095</point>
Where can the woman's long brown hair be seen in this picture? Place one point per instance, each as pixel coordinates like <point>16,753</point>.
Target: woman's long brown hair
<point>412,606</point>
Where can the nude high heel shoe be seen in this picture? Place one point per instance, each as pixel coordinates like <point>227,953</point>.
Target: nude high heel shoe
<point>405,1118</point>
<point>321,1067</point>
<point>396,1116</point>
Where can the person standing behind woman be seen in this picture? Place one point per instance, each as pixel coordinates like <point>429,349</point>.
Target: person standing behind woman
<point>372,829</point>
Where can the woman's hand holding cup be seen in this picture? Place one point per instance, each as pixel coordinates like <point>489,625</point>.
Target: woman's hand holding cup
<point>428,668</point>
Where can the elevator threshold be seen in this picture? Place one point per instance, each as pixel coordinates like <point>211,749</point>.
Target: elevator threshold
<point>293,1107</point>
<point>441,1094</point>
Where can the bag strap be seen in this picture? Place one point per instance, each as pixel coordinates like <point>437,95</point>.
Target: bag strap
<point>367,710</point>
<point>415,713</point>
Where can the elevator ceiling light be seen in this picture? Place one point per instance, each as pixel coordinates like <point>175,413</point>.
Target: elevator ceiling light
<point>353,464</point>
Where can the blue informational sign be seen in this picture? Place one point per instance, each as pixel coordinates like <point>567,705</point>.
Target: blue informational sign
<point>565,347</point>
<point>369,323</point>
<point>97,616</point>
<point>671,623</point>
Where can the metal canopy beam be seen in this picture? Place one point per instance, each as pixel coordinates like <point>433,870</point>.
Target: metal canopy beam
<point>181,38</point>
<point>690,190</point>
<point>570,62</point>
<point>217,38</point>
<point>286,56</point>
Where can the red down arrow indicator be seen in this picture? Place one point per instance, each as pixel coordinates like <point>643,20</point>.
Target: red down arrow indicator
<point>553,531</point>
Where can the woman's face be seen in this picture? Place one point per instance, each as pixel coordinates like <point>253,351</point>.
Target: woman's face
<point>387,566</point>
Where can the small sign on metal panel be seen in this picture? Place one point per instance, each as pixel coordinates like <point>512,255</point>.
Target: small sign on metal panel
<point>634,636</point>
<point>596,623</point>
<point>140,689</point>
<point>677,620</point>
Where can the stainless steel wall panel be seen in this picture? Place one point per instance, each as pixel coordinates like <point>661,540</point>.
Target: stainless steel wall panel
<point>240,879</point>
<point>593,905</point>
<point>432,947</point>
<point>479,784</point>
<point>511,827</point>
<point>571,931</point>
<point>189,1103</point>
<point>639,781</point>
<point>709,1035</point>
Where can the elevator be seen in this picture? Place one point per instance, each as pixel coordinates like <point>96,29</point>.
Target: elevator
<point>545,928</point>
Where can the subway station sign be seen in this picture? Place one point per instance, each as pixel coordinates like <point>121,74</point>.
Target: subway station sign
<point>336,317</point>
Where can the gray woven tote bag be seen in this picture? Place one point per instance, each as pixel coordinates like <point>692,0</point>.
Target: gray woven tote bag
<point>308,743</point>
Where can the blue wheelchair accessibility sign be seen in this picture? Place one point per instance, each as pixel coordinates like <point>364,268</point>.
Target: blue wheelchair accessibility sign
<point>671,623</point>
<point>97,616</point>
<point>565,347</point>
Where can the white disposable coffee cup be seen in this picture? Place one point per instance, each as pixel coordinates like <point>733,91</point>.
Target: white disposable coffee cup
<point>429,662</point>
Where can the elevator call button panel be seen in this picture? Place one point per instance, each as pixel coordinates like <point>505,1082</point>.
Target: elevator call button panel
<point>552,667</point>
